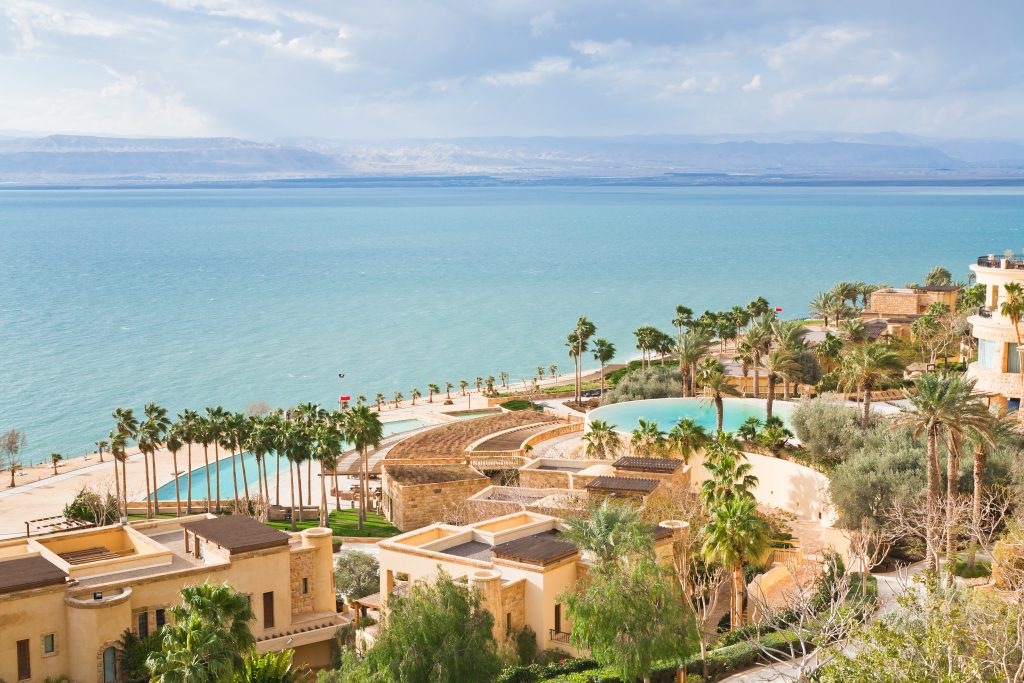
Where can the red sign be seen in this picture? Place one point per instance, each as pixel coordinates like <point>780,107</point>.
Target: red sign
<point>344,398</point>
<point>778,310</point>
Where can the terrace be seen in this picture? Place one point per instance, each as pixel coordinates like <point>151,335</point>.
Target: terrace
<point>450,441</point>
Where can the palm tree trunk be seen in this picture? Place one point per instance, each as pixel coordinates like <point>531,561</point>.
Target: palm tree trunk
<point>337,493</point>
<point>757,377</point>
<point>323,495</point>
<point>124,484</point>
<point>298,478</point>
<point>933,498</point>
<point>266,481</point>
<point>234,475</point>
<point>117,489</point>
<point>362,488</point>
<point>259,473</point>
<point>771,396</point>
<point>156,500</point>
<point>865,415</point>
<point>245,477</point>
<point>785,388</point>
<point>952,478</point>
<point>188,494</point>
<point>736,616</point>
<point>291,476</point>
<point>720,410</point>
<point>149,501</point>
<point>177,489</point>
<point>209,494</point>
<point>216,471</point>
<point>277,493</point>
<point>980,457</point>
<point>602,379</point>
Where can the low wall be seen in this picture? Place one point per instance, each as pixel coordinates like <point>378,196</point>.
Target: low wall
<point>785,485</point>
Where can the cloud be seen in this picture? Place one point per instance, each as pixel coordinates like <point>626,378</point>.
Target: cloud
<point>753,85</point>
<point>815,46</point>
<point>598,50</point>
<point>30,18</point>
<point>538,72</point>
<point>543,24</point>
<point>851,84</point>
<point>316,47</point>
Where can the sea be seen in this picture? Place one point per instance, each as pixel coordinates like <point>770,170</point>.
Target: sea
<point>226,296</point>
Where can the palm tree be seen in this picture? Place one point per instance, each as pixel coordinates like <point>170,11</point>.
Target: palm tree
<point>270,667</point>
<point>759,340</point>
<point>647,440</point>
<point>839,311</point>
<point>684,318</point>
<point>205,434</point>
<point>687,437</point>
<point>117,450</point>
<point>577,342</point>
<point>728,469</point>
<point>1013,308</point>
<point>694,345</point>
<point>553,369</point>
<point>822,305</point>
<point>188,419</point>
<point>938,277</point>
<point>863,367</point>
<point>261,440</point>
<point>779,363</point>
<point>448,386</point>
<point>479,381</point>
<point>175,444</point>
<point>604,351</point>
<point>462,386</point>
<point>610,532</point>
<point>100,445</point>
<point>846,290</point>
<point>431,390</point>
<point>937,406</point>
<point>55,458</point>
<point>227,441</point>
<point>715,384</point>
<point>866,289</point>
<point>326,450</point>
<point>308,415</point>
<point>364,431</point>
<point>215,429</point>
<point>734,536</point>
<point>489,384</point>
<point>379,400</point>
<point>127,427</point>
<point>415,395</point>
<point>602,441</point>
<point>152,432</point>
<point>854,331</point>
<point>828,351</point>
<point>398,398</point>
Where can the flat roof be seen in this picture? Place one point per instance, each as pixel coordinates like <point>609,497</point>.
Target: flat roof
<point>411,475</point>
<point>660,465</point>
<point>540,549</point>
<point>238,533</point>
<point>474,550</point>
<point>627,484</point>
<point>29,572</point>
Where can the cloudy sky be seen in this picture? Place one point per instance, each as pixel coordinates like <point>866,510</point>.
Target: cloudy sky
<point>264,69</point>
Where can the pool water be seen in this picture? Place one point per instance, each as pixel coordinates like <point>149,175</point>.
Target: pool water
<point>227,487</point>
<point>667,411</point>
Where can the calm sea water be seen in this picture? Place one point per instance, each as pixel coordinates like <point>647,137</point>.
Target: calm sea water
<point>204,297</point>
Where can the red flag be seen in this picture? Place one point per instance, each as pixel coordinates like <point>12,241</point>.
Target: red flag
<point>778,310</point>
<point>344,398</point>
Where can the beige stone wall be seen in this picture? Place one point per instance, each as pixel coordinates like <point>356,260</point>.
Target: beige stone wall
<point>543,479</point>
<point>302,568</point>
<point>513,601</point>
<point>1007,384</point>
<point>897,303</point>
<point>412,507</point>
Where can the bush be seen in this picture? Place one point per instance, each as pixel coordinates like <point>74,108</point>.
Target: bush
<point>519,404</point>
<point>540,672</point>
<point>90,506</point>
<point>828,430</point>
<point>979,570</point>
<point>526,645</point>
<point>356,574</point>
<point>654,382</point>
<point>133,652</point>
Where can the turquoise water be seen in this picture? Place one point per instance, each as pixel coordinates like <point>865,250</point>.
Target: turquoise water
<point>228,296</point>
<point>667,411</point>
<point>227,486</point>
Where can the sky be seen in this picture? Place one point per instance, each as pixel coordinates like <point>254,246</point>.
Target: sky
<point>371,69</point>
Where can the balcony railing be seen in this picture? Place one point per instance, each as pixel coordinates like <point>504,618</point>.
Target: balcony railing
<point>984,312</point>
<point>1014,262</point>
<point>560,636</point>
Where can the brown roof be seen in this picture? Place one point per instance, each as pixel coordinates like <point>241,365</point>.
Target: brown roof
<point>412,475</point>
<point>237,533</point>
<point>660,465</point>
<point>29,572</point>
<point>541,549</point>
<point>629,484</point>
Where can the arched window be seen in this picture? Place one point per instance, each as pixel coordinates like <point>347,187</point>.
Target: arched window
<point>109,665</point>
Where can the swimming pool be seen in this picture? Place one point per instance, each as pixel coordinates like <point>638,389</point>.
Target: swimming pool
<point>227,487</point>
<point>667,411</point>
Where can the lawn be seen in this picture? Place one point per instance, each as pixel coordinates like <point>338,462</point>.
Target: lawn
<point>345,523</point>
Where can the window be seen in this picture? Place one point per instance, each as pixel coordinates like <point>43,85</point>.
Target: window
<point>109,665</point>
<point>508,623</point>
<point>1012,358</point>
<point>24,662</point>
<point>49,643</point>
<point>986,354</point>
<point>305,585</point>
<point>268,609</point>
<point>143,620</point>
<point>558,618</point>
<point>161,619</point>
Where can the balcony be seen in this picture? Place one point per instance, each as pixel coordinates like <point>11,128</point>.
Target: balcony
<point>993,261</point>
<point>559,636</point>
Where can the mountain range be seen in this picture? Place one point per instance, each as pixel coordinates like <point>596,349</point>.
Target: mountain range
<point>796,157</point>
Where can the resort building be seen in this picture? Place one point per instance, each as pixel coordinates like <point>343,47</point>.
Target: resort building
<point>67,599</point>
<point>997,369</point>
<point>897,302</point>
<point>519,562</point>
<point>413,496</point>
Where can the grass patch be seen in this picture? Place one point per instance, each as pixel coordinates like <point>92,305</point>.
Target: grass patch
<point>346,523</point>
<point>979,570</point>
<point>615,376</point>
<point>519,404</point>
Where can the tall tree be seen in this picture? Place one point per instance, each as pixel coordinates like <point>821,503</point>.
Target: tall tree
<point>431,390</point>
<point>758,340</point>
<point>326,451</point>
<point>118,443</point>
<point>693,347</point>
<point>174,445</point>
<point>189,419</point>
<point>715,384</point>
<point>577,342</point>
<point>864,367</point>
<point>215,431</point>
<point>601,441</point>
<point>609,532</point>
<point>686,438</point>
<point>647,440</point>
<point>780,362</point>
<point>734,536</point>
<point>604,352</point>
<point>151,433</point>
<point>729,471</point>
<point>205,434</point>
<point>1013,308</point>
<point>101,445</point>
<point>363,429</point>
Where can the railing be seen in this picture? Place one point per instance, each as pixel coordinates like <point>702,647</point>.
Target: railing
<point>1014,262</point>
<point>785,556</point>
<point>559,636</point>
<point>984,312</point>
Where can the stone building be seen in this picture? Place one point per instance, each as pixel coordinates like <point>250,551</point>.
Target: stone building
<point>413,496</point>
<point>904,301</point>
<point>66,599</point>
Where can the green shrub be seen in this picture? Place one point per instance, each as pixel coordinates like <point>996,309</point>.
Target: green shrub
<point>526,644</point>
<point>980,569</point>
<point>520,404</point>
<point>541,672</point>
<point>90,506</point>
<point>133,652</point>
<point>654,382</point>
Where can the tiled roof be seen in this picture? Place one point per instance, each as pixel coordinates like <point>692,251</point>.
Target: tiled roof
<point>238,533</point>
<point>660,465</point>
<point>627,484</point>
<point>541,549</point>
<point>29,572</point>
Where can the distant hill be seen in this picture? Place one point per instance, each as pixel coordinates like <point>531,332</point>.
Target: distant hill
<point>67,159</point>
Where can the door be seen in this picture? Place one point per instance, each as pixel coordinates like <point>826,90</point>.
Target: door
<point>24,662</point>
<point>109,665</point>
<point>268,609</point>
